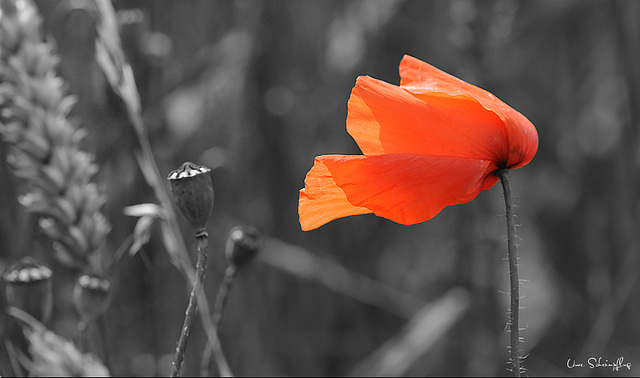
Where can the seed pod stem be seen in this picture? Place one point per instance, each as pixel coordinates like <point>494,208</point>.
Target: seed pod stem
<point>221,298</point>
<point>218,311</point>
<point>192,307</point>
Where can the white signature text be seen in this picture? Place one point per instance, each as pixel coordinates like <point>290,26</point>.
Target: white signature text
<point>599,362</point>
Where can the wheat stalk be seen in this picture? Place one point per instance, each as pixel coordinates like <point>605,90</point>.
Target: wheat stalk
<point>44,145</point>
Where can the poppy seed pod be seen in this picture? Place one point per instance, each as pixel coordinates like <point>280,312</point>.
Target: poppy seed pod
<point>90,295</point>
<point>28,287</point>
<point>243,244</point>
<point>193,193</point>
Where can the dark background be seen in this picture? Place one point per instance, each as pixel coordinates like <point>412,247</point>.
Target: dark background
<point>255,89</point>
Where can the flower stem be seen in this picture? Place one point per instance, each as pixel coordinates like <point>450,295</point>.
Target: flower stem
<point>218,312</point>
<point>221,298</point>
<point>514,311</point>
<point>102,323</point>
<point>82,335</point>
<point>192,308</point>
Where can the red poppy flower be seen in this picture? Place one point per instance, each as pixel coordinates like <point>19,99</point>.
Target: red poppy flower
<point>431,142</point>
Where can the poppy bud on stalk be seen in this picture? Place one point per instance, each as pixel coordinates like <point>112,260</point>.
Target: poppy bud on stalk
<point>243,244</point>
<point>90,295</point>
<point>28,288</point>
<point>193,193</point>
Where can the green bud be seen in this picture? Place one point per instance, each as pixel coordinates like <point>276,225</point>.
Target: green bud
<point>28,287</point>
<point>243,244</point>
<point>193,193</point>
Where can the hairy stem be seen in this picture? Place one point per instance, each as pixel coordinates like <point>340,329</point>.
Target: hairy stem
<point>514,312</point>
<point>218,311</point>
<point>192,308</point>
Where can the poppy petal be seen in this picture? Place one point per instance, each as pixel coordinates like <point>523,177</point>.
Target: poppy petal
<point>385,118</point>
<point>419,77</point>
<point>407,189</point>
<point>321,200</point>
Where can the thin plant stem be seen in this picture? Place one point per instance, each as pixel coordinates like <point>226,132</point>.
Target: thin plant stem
<point>13,359</point>
<point>83,337</point>
<point>218,312</point>
<point>514,311</point>
<point>221,298</point>
<point>102,328</point>
<point>83,328</point>
<point>192,307</point>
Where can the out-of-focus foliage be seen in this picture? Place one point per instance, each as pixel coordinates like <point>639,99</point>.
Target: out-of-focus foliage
<point>255,89</point>
<point>52,355</point>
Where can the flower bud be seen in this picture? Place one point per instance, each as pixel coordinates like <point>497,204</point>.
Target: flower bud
<point>243,244</point>
<point>28,287</point>
<point>90,295</point>
<point>193,193</point>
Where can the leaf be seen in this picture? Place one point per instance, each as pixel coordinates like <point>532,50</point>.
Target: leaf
<point>144,209</point>
<point>142,233</point>
<point>148,214</point>
<point>111,58</point>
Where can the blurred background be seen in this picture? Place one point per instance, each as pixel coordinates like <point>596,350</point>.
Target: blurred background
<point>256,89</point>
